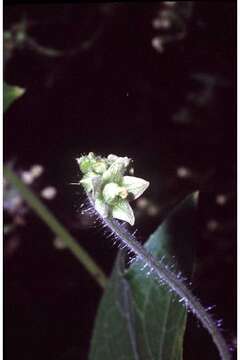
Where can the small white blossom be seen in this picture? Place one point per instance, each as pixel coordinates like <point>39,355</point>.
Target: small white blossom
<point>36,170</point>
<point>104,179</point>
<point>221,199</point>
<point>49,192</point>
<point>27,177</point>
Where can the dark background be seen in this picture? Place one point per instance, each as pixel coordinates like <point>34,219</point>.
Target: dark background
<point>166,110</point>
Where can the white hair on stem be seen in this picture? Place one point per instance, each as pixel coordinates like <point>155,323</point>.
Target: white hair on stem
<point>109,191</point>
<point>165,276</point>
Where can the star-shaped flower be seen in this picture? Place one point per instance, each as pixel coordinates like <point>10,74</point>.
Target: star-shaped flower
<point>105,181</point>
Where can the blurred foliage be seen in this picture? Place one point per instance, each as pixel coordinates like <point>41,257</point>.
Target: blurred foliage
<point>10,94</point>
<point>15,196</point>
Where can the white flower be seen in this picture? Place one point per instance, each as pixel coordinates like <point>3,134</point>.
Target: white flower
<point>104,179</point>
<point>111,192</point>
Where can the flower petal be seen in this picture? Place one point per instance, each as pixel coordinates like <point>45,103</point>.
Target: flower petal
<point>123,211</point>
<point>91,182</point>
<point>135,185</point>
<point>99,167</point>
<point>113,158</point>
<point>87,184</point>
<point>114,173</point>
<point>101,207</point>
<point>117,168</point>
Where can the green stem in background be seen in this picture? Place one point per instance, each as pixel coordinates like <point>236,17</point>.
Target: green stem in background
<point>56,227</point>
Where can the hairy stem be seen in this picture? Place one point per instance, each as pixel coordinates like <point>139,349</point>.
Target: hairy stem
<point>171,279</point>
<point>56,227</point>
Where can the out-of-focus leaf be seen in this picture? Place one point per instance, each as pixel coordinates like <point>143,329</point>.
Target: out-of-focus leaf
<point>10,94</point>
<point>139,319</point>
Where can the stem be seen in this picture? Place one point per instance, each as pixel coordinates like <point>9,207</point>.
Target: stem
<point>56,227</point>
<point>170,278</point>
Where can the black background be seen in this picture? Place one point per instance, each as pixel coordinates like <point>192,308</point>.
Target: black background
<point>120,96</point>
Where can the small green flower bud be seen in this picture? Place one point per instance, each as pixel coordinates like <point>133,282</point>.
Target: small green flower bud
<point>91,156</point>
<point>85,164</point>
<point>124,161</point>
<point>99,167</point>
<point>112,158</point>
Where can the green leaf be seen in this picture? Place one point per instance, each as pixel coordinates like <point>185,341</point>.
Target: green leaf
<point>10,94</point>
<point>139,319</point>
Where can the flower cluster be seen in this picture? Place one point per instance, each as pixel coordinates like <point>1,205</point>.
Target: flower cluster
<point>111,190</point>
